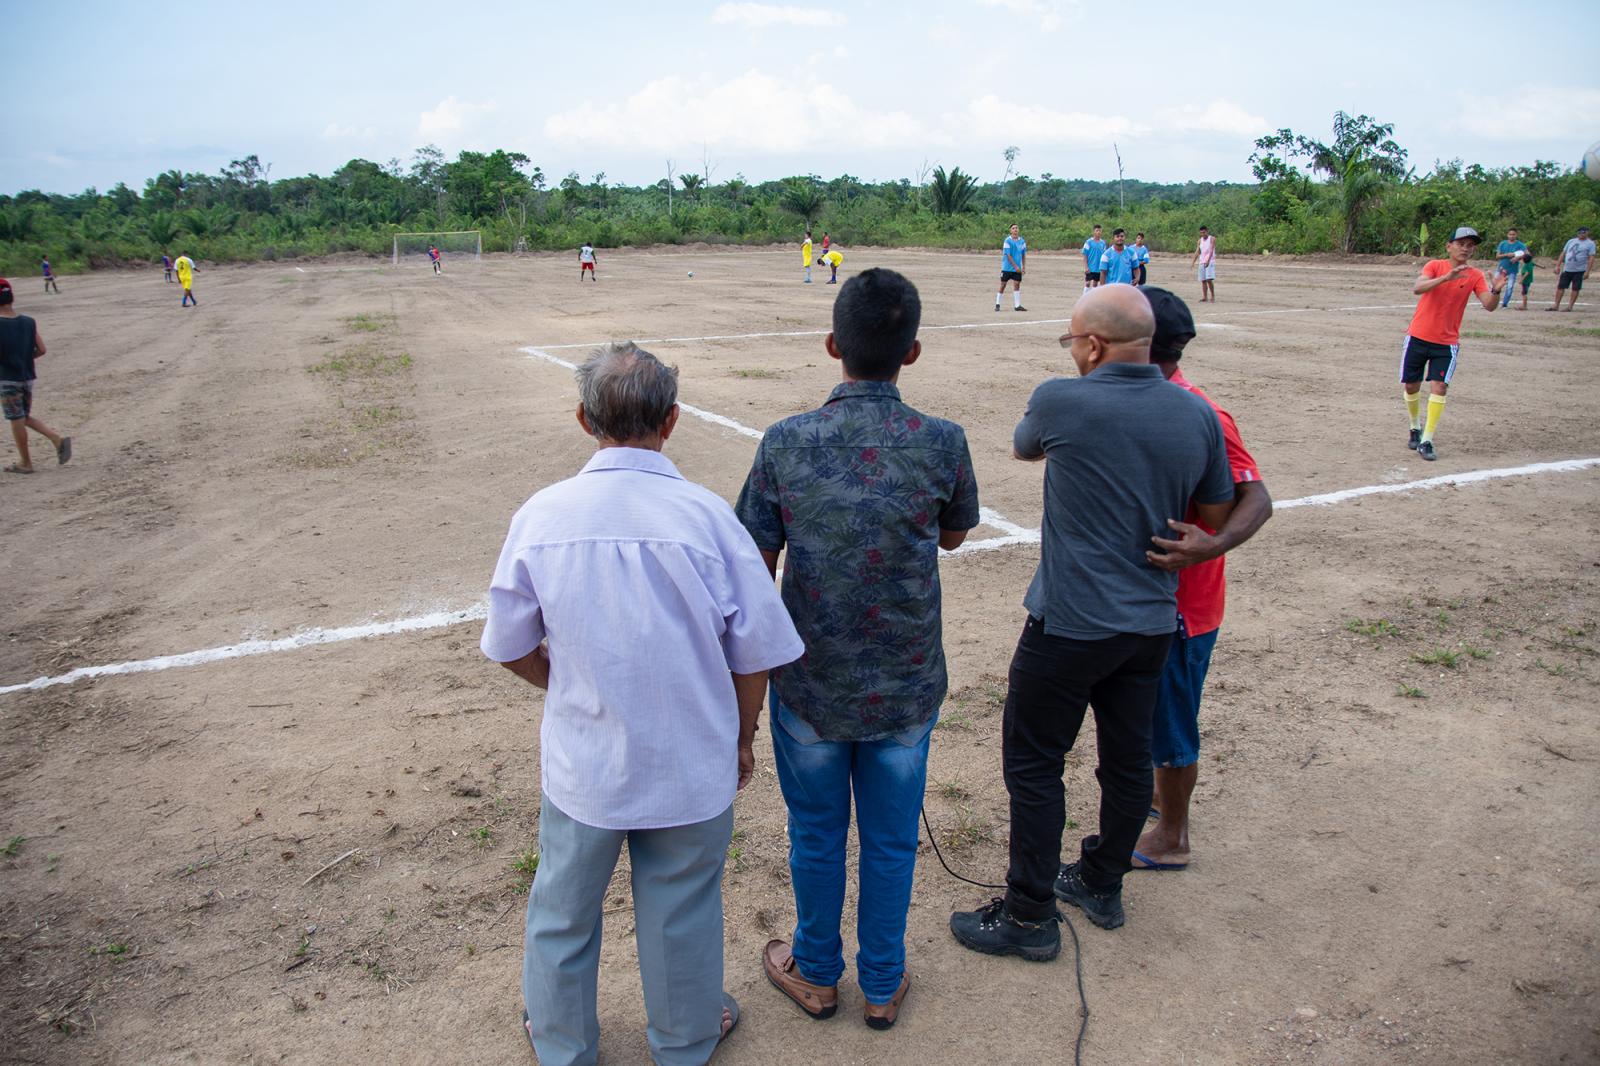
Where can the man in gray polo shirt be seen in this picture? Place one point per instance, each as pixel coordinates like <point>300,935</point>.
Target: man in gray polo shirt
<point>1124,452</point>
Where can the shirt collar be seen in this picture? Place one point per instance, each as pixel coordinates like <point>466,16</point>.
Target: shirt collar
<point>1178,379</point>
<point>1127,370</point>
<point>642,459</point>
<point>880,390</point>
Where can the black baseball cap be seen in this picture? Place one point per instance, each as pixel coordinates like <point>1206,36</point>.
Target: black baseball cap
<point>1174,325</point>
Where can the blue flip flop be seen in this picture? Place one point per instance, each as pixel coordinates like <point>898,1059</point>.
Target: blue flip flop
<point>1151,864</point>
<point>730,1005</point>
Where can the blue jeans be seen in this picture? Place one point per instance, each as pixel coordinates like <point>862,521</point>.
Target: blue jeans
<point>888,777</point>
<point>1175,728</point>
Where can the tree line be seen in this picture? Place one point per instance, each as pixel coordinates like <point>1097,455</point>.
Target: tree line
<point>1355,192</point>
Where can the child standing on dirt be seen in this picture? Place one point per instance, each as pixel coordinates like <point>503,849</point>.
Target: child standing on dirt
<point>166,266</point>
<point>1527,279</point>
<point>20,345</point>
<point>586,262</point>
<point>805,256</point>
<point>49,276</point>
<point>433,257</point>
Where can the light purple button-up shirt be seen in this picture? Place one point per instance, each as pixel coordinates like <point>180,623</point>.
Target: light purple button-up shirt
<point>649,592</point>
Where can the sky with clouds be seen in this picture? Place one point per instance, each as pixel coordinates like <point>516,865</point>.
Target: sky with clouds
<point>105,92</point>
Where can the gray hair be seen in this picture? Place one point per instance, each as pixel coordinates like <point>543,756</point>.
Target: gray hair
<point>626,392</point>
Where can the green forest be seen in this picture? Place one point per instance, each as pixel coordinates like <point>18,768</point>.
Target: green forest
<point>1354,192</point>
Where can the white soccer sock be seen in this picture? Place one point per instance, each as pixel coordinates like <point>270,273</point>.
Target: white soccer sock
<point>1016,298</point>
<point>997,299</point>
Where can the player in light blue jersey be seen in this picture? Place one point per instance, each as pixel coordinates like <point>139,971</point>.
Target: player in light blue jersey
<point>1118,261</point>
<point>1013,264</point>
<point>1094,249</point>
<point>1142,250</point>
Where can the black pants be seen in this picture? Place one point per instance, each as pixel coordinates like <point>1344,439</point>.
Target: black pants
<point>1052,681</point>
<point>1139,274</point>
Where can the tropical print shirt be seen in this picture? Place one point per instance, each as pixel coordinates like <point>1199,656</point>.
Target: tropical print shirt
<point>857,492</point>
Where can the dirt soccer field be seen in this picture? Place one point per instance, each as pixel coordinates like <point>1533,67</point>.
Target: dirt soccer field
<point>1393,840</point>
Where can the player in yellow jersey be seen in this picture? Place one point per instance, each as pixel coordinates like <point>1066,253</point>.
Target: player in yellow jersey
<point>805,256</point>
<point>185,268</point>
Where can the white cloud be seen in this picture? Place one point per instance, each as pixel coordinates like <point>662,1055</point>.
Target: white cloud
<point>760,16</point>
<point>1219,116</point>
<point>1028,125</point>
<point>1532,113</point>
<point>753,111</point>
<point>335,132</point>
<point>1052,14</point>
<point>449,117</point>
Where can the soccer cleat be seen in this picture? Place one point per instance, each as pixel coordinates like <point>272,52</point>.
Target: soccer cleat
<point>992,930</point>
<point>1416,439</point>
<point>997,309</point>
<point>1019,307</point>
<point>1425,450</point>
<point>1102,908</point>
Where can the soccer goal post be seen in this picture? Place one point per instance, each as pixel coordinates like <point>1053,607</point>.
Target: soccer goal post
<point>452,243</point>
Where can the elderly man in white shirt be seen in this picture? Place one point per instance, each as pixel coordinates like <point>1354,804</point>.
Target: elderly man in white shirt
<point>641,604</point>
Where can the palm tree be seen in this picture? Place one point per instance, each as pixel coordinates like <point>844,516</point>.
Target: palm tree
<point>161,228</point>
<point>952,192</point>
<point>691,185</point>
<point>803,198</point>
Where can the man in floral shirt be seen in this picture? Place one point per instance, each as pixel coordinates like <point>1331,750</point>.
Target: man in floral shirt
<point>862,493</point>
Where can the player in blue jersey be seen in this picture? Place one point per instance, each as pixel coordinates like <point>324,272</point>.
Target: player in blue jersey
<point>1118,262</point>
<point>1094,249</point>
<point>1013,264</point>
<point>1141,269</point>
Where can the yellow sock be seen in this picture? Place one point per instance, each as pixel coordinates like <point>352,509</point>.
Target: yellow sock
<point>1435,410</point>
<point>1414,408</point>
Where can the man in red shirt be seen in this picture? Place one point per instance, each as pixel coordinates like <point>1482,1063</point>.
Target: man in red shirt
<point>1433,341</point>
<point>1202,589</point>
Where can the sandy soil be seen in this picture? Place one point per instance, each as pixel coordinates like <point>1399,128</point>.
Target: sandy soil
<point>1377,878</point>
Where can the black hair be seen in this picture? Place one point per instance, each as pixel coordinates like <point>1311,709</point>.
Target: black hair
<point>6,296</point>
<point>1139,234</point>
<point>875,320</point>
<point>1206,228</point>
<point>1098,226</point>
<point>1118,230</point>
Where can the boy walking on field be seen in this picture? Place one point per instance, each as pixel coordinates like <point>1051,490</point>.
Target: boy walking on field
<point>586,262</point>
<point>20,345</point>
<point>1433,342</point>
<point>49,276</point>
<point>185,268</point>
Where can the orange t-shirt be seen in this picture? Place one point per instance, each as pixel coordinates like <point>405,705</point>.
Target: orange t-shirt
<point>1438,315</point>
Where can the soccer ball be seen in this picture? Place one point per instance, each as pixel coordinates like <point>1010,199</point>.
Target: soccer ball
<point>691,273</point>
<point>1591,162</point>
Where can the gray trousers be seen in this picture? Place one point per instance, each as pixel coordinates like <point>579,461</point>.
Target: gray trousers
<point>677,910</point>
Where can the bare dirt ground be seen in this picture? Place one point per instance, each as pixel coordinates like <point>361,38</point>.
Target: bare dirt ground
<point>1393,857</point>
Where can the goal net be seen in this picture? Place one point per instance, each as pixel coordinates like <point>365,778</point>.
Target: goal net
<point>453,244</point>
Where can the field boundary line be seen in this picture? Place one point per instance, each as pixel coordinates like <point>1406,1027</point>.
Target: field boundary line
<point>1015,534</point>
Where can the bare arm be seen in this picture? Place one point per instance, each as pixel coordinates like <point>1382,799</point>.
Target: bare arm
<point>771,559</point>
<point>1252,506</point>
<point>950,539</point>
<point>1427,284</point>
<point>38,343</point>
<point>750,689</point>
<point>534,667</point>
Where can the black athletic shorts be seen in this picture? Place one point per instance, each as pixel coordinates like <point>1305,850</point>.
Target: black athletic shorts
<point>1091,275</point>
<point>1011,275</point>
<point>1570,279</point>
<point>1424,359</point>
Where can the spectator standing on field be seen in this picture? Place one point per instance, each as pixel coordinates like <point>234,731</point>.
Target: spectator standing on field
<point>861,580</point>
<point>1124,452</point>
<point>49,276</point>
<point>1197,556</point>
<point>20,345</point>
<point>642,606</point>
<point>1509,254</point>
<point>1205,257</point>
<point>166,266</point>
<point>1577,256</point>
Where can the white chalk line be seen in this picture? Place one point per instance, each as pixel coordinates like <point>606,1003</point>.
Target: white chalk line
<point>310,638</point>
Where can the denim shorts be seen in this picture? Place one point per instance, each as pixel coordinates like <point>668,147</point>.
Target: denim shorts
<point>1175,732</point>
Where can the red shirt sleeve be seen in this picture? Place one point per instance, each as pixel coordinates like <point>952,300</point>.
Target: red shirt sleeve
<point>1240,460</point>
<point>1480,285</point>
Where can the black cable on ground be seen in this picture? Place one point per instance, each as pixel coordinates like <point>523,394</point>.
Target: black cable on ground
<point>1077,946</point>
